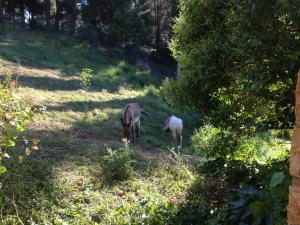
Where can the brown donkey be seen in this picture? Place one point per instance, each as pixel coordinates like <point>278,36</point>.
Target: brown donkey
<point>131,120</point>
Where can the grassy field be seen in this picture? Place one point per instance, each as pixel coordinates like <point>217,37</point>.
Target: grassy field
<point>67,180</point>
<point>62,182</point>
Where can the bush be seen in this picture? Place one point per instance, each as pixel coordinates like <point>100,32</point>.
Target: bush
<point>240,173</point>
<point>13,115</point>
<point>209,141</point>
<point>257,206</point>
<point>236,65</point>
<point>117,164</point>
<point>254,199</point>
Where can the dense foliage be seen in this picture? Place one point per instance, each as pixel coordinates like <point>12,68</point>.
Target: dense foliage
<point>126,23</point>
<point>258,193</point>
<point>237,67</point>
<point>238,61</point>
<point>13,115</point>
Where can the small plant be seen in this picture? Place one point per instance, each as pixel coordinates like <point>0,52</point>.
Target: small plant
<point>178,167</point>
<point>118,164</point>
<point>86,81</point>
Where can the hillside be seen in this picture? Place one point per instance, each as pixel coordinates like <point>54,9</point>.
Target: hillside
<point>62,182</point>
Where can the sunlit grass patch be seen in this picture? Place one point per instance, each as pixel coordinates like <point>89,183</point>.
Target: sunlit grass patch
<point>64,182</point>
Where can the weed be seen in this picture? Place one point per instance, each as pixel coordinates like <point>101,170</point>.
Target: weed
<point>118,164</point>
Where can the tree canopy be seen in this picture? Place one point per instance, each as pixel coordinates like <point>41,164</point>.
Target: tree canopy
<point>135,23</point>
<point>238,61</point>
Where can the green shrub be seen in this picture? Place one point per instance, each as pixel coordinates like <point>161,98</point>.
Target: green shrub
<point>256,206</point>
<point>240,173</point>
<point>256,200</point>
<point>14,113</point>
<point>209,141</point>
<point>117,164</point>
<point>233,56</point>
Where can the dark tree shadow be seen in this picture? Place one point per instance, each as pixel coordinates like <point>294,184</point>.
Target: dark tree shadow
<point>49,83</point>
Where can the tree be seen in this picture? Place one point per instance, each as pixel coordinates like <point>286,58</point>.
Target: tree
<point>237,62</point>
<point>69,6</point>
<point>294,194</point>
<point>73,15</point>
<point>1,11</point>
<point>22,12</point>
<point>116,21</point>
<point>10,10</point>
<point>159,15</point>
<point>36,11</point>
<point>58,14</point>
<point>48,12</point>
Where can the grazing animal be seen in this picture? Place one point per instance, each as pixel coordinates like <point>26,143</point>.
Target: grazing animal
<point>131,120</point>
<point>175,125</point>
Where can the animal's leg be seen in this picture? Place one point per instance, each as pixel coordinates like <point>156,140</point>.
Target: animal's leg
<point>178,137</point>
<point>174,135</point>
<point>132,132</point>
<point>180,141</point>
<point>138,128</point>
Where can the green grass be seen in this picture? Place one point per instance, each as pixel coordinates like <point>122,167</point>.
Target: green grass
<point>62,182</point>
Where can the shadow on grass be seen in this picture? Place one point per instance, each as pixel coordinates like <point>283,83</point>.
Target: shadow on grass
<point>33,184</point>
<point>37,190</point>
<point>49,83</point>
<point>194,209</point>
<point>151,127</point>
<point>71,57</point>
<point>135,79</point>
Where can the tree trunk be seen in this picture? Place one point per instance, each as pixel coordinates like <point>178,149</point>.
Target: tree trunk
<point>57,14</point>
<point>294,190</point>
<point>48,9</point>
<point>1,11</point>
<point>22,13</point>
<point>157,23</point>
<point>157,37</point>
<point>73,14</point>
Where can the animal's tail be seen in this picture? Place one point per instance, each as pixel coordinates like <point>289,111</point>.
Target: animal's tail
<point>145,113</point>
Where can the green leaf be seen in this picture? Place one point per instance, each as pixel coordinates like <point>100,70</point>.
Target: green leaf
<point>2,169</point>
<point>277,178</point>
<point>10,143</point>
<point>280,191</point>
<point>257,208</point>
<point>20,128</point>
<point>5,155</point>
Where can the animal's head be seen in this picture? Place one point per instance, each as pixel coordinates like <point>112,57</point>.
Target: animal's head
<point>126,129</point>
